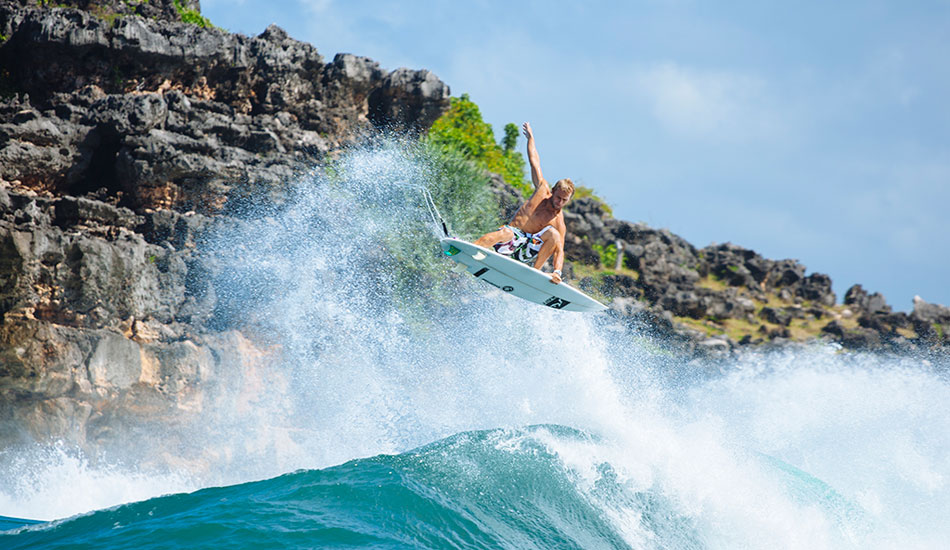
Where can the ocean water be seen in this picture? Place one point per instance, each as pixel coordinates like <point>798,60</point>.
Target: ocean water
<point>439,413</point>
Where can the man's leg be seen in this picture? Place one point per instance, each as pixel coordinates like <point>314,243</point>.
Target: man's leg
<point>552,243</point>
<point>489,240</point>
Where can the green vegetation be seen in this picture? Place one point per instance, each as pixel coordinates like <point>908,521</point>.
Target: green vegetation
<point>414,267</point>
<point>702,325</point>
<point>511,137</point>
<point>193,16</point>
<point>462,131</point>
<point>712,283</point>
<point>608,255</point>
<point>906,333</point>
<point>800,329</point>
<point>598,273</point>
<point>106,15</point>
<point>594,280</point>
<point>463,196</point>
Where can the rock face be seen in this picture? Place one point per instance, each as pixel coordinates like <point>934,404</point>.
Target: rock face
<point>102,323</point>
<point>722,296</point>
<point>158,114</point>
<point>124,133</point>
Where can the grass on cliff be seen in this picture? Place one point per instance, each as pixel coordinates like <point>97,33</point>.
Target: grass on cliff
<point>799,330</point>
<point>592,279</point>
<point>584,270</point>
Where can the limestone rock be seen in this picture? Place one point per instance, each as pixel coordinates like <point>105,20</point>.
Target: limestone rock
<point>125,135</point>
<point>857,297</point>
<point>408,100</point>
<point>155,113</point>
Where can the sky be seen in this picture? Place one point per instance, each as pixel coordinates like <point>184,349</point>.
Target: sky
<point>818,131</point>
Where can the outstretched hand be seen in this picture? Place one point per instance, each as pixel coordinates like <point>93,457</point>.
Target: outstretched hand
<point>526,129</point>
<point>555,279</point>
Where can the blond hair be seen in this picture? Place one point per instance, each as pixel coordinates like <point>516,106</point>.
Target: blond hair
<point>565,183</point>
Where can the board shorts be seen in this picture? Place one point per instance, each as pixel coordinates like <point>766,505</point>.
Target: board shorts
<point>523,246</point>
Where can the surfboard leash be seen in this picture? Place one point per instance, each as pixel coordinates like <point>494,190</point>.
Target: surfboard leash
<point>431,207</point>
<point>434,212</point>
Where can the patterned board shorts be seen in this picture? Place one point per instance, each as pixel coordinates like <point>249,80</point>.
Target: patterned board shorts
<point>523,246</point>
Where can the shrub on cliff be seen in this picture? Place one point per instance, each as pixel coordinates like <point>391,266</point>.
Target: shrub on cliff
<point>382,181</point>
<point>462,130</point>
<point>191,15</point>
<point>461,191</point>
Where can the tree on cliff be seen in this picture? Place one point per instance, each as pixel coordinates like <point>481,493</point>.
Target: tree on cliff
<point>462,130</point>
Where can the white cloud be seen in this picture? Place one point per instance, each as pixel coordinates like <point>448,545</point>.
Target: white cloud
<point>702,104</point>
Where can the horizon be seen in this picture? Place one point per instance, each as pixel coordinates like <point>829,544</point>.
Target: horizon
<point>818,133</point>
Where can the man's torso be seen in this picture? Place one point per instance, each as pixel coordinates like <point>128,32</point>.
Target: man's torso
<point>535,217</point>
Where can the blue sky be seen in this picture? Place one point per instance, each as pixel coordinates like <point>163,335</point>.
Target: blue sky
<point>818,131</point>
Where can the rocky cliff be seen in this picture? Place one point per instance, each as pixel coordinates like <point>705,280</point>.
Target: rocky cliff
<point>149,113</point>
<point>723,296</point>
<point>126,130</point>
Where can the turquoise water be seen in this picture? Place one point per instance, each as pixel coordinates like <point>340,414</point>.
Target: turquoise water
<point>475,490</point>
<point>397,415</point>
<point>487,489</point>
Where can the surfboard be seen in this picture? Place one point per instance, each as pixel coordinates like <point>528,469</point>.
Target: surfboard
<point>514,277</point>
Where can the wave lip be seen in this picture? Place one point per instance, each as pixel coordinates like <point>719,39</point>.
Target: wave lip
<point>543,486</point>
<point>483,489</point>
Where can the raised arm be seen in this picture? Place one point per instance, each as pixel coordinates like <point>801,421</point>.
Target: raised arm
<point>533,159</point>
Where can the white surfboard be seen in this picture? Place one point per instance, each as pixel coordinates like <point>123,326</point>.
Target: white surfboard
<point>516,278</point>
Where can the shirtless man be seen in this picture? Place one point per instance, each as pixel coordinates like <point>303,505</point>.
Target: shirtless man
<point>537,230</point>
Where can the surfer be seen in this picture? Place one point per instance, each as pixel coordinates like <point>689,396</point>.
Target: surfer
<point>537,230</point>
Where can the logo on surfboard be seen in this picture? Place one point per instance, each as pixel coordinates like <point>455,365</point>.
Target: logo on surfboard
<point>555,302</point>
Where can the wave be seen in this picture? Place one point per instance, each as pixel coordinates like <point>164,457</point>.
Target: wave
<point>524,488</point>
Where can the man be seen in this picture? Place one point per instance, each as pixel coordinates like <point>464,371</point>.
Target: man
<point>537,229</point>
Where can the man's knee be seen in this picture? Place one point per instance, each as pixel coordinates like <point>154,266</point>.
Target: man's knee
<point>552,236</point>
<point>503,235</point>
